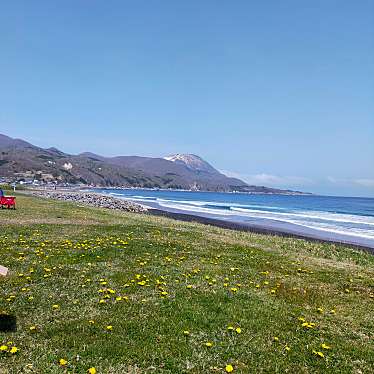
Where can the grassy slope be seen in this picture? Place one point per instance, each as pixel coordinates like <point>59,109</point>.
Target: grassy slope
<point>68,255</point>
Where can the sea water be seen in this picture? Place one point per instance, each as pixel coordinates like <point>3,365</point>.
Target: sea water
<point>338,216</point>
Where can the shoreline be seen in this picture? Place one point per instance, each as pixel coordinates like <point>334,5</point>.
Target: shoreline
<point>104,201</point>
<point>93,199</point>
<point>258,229</point>
<point>285,193</point>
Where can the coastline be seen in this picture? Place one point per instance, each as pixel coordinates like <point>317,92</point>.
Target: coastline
<point>262,226</point>
<point>102,200</point>
<point>256,228</point>
<point>93,199</point>
<point>128,252</point>
<point>283,192</point>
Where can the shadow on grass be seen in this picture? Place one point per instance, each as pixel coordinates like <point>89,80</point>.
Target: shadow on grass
<point>8,323</point>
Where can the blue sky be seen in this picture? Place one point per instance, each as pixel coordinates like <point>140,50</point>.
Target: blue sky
<point>279,93</point>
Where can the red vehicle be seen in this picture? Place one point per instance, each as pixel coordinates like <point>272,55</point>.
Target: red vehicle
<point>8,201</point>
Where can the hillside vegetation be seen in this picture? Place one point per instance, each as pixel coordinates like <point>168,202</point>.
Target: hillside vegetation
<point>23,161</point>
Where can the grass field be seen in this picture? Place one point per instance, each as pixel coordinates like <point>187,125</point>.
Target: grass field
<point>111,292</point>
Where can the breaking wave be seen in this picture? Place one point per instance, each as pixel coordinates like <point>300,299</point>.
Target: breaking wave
<point>336,215</point>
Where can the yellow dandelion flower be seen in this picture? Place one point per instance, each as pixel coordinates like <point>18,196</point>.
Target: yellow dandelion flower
<point>3,348</point>
<point>319,354</point>
<point>13,350</point>
<point>209,344</point>
<point>109,328</point>
<point>325,346</point>
<point>229,368</point>
<point>238,330</point>
<point>92,370</point>
<point>186,332</point>
<point>62,362</point>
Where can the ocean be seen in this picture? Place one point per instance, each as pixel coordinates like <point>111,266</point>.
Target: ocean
<point>347,219</point>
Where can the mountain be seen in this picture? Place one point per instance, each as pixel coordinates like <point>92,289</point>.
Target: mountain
<point>23,161</point>
<point>192,162</point>
<point>6,141</point>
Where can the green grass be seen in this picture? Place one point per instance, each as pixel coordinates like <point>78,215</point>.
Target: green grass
<point>174,277</point>
<point>8,188</point>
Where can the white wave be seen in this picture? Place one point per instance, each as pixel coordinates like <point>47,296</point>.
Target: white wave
<point>195,202</point>
<point>196,209</point>
<point>280,217</point>
<point>187,202</point>
<point>256,206</point>
<point>217,204</point>
<point>339,230</point>
<point>336,217</point>
<point>317,220</point>
<point>144,197</point>
<point>315,225</point>
<point>244,208</point>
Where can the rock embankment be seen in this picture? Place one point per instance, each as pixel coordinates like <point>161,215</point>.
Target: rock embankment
<point>91,199</point>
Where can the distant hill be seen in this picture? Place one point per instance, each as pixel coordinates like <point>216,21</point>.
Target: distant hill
<point>22,160</point>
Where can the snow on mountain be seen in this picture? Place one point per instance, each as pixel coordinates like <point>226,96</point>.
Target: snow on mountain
<point>192,162</point>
